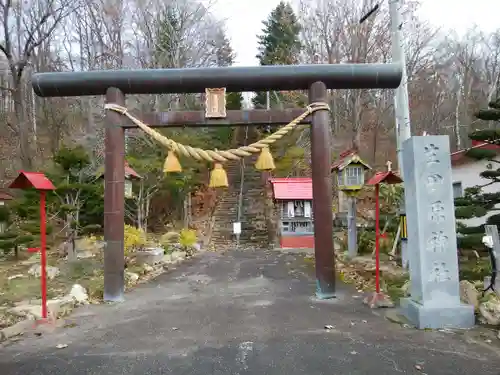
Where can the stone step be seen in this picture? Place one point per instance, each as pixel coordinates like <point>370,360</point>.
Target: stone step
<point>251,211</point>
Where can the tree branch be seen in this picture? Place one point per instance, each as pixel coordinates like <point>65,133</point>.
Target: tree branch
<point>6,48</point>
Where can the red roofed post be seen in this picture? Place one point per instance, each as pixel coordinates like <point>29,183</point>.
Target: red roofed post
<point>388,177</point>
<point>38,180</point>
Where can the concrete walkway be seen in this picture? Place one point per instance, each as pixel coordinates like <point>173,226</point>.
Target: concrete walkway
<point>241,313</point>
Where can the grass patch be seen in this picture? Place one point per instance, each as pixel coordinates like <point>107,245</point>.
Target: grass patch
<point>475,269</point>
<point>15,290</point>
<point>20,289</point>
<point>88,273</point>
<point>394,287</point>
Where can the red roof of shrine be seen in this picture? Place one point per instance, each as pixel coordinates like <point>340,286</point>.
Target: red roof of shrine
<point>388,177</point>
<point>299,188</point>
<point>26,180</point>
<point>129,172</point>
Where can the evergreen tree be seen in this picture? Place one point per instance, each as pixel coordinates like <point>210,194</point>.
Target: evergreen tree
<point>167,53</point>
<point>279,44</point>
<point>24,232</point>
<point>234,100</point>
<point>223,52</point>
<point>475,203</point>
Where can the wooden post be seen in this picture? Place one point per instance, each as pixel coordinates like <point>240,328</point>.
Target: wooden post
<point>114,200</point>
<point>322,195</point>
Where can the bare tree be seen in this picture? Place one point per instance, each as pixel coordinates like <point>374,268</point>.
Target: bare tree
<point>26,26</point>
<point>332,34</point>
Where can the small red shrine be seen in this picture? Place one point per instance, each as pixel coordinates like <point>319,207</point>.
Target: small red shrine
<point>293,197</point>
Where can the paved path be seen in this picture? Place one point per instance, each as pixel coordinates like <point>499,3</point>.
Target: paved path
<point>241,313</point>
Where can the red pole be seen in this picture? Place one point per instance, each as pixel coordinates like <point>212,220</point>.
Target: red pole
<point>43,254</point>
<point>377,237</point>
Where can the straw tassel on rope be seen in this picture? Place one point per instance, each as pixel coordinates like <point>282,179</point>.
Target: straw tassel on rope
<point>265,161</point>
<point>172,163</point>
<point>218,177</point>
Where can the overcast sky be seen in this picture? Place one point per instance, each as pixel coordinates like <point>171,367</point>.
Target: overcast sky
<point>244,19</point>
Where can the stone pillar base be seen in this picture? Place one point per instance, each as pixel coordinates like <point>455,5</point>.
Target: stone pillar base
<point>458,316</point>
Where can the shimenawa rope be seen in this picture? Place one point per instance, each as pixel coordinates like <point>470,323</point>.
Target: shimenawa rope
<point>218,155</point>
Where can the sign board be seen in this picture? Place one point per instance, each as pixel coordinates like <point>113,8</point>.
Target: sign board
<point>237,228</point>
<point>215,103</point>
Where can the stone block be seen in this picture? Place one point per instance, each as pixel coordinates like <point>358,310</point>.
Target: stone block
<point>435,296</point>
<point>15,330</point>
<point>150,256</point>
<point>424,316</point>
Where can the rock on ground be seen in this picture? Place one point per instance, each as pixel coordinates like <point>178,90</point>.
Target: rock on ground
<point>56,308</point>
<point>15,330</point>
<point>79,294</point>
<point>469,294</point>
<point>36,271</point>
<point>150,256</point>
<point>490,311</point>
<point>132,277</point>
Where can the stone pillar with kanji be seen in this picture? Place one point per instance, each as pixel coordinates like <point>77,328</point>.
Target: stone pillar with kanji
<point>432,245</point>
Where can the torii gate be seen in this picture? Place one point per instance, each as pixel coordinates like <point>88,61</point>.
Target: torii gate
<point>315,78</point>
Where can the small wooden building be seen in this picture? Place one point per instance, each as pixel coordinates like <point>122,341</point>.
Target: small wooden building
<point>348,174</point>
<point>5,197</point>
<point>293,197</point>
<point>130,175</point>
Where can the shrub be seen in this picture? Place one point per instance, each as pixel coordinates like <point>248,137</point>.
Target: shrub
<point>134,238</point>
<point>366,241</point>
<point>170,238</point>
<point>187,237</point>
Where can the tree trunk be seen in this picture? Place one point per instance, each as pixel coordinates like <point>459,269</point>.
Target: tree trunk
<point>70,240</point>
<point>140,207</point>
<point>23,128</point>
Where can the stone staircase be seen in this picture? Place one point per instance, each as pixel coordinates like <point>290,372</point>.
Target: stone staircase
<point>253,224</point>
<point>253,221</point>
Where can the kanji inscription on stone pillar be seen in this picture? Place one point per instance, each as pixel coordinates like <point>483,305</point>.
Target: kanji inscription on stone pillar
<point>432,245</point>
